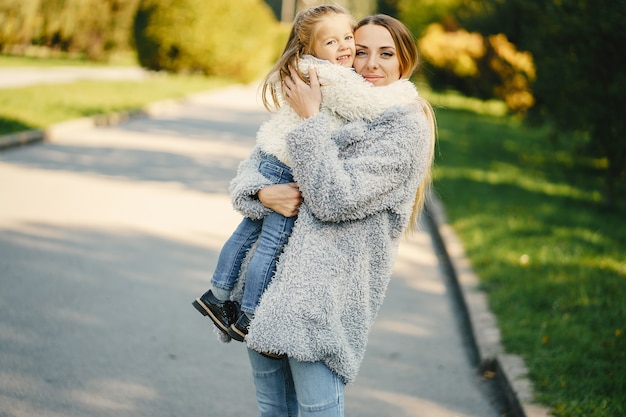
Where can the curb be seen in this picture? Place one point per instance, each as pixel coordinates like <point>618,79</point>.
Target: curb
<point>510,371</point>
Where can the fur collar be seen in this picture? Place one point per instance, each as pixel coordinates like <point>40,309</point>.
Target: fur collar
<point>346,97</point>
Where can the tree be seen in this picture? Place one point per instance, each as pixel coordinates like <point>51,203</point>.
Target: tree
<point>213,38</point>
<point>580,85</point>
<point>91,27</point>
<point>388,7</point>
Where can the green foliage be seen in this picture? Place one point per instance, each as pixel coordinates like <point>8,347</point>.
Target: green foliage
<point>19,21</point>
<point>90,27</point>
<point>549,255</point>
<point>483,67</point>
<point>417,15</point>
<point>358,8</point>
<point>221,37</point>
<point>388,7</point>
<point>480,66</point>
<point>580,84</point>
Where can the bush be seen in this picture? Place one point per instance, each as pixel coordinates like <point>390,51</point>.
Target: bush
<point>90,27</point>
<point>483,67</point>
<point>222,37</point>
<point>418,15</point>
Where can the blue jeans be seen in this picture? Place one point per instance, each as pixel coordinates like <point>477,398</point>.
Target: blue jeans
<point>287,385</point>
<point>272,232</point>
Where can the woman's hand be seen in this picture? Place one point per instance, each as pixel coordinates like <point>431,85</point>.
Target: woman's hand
<point>304,98</point>
<point>284,199</point>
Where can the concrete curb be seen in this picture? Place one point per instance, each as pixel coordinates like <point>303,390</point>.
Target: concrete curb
<point>510,370</point>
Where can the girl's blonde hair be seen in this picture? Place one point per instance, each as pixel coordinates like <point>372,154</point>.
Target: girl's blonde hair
<point>300,42</point>
<point>406,48</point>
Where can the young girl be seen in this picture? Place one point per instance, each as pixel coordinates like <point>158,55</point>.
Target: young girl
<point>321,37</point>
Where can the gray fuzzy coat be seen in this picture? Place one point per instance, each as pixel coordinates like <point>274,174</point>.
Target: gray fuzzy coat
<point>358,185</point>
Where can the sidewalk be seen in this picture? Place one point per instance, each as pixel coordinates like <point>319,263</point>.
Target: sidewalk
<point>125,223</point>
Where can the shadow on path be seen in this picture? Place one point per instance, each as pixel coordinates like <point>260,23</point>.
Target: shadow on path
<point>113,331</point>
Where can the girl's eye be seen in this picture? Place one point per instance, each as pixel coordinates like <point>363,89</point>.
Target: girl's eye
<point>330,42</point>
<point>349,37</point>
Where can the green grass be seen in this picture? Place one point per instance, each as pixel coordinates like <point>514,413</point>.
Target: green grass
<point>126,59</point>
<point>39,106</point>
<point>551,258</point>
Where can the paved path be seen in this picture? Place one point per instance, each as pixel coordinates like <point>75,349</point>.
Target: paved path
<point>107,234</point>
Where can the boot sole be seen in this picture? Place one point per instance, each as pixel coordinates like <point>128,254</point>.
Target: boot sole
<point>236,334</point>
<point>204,310</point>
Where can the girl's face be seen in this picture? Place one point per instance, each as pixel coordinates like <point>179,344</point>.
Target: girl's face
<point>376,57</point>
<point>334,40</point>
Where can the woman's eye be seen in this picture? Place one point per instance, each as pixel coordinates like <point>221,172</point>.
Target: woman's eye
<point>386,54</point>
<point>360,53</point>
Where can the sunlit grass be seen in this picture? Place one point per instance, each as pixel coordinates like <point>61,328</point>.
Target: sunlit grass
<point>126,59</point>
<point>39,106</point>
<point>550,256</point>
<point>456,101</point>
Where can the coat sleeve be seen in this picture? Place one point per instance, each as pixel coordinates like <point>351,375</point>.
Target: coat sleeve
<point>244,187</point>
<point>362,168</point>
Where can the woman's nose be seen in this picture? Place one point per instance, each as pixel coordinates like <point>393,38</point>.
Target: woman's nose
<point>372,62</point>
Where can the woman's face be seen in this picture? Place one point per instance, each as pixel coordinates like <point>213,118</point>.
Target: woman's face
<point>376,57</point>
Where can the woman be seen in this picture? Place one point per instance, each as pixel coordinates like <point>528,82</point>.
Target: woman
<point>322,37</point>
<point>358,189</point>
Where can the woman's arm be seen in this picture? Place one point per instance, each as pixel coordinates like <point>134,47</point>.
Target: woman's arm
<point>362,168</point>
<point>255,196</point>
<point>284,199</point>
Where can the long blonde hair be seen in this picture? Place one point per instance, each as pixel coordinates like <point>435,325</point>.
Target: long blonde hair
<point>300,42</point>
<point>406,48</point>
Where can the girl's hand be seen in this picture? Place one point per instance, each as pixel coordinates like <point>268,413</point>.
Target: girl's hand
<point>304,98</point>
<point>284,199</point>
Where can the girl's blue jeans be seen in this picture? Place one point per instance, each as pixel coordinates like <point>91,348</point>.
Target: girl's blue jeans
<point>286,386</point>
<point>272,232</point>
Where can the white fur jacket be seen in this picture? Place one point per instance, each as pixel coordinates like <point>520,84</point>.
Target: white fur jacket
<point>346,96</point>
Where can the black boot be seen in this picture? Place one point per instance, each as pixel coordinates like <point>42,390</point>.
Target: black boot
<point>239,329</point>
<point>223,313</point>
